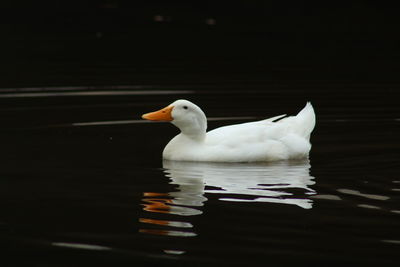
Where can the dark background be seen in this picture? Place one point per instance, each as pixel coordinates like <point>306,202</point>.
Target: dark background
<point>53,43</point>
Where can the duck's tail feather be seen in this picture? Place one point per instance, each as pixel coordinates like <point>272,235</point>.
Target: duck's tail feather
<point>306,121</point>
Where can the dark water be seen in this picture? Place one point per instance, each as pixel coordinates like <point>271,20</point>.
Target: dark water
<point>82,182</point>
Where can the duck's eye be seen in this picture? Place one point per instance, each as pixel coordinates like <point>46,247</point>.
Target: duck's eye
<point>185,107</point>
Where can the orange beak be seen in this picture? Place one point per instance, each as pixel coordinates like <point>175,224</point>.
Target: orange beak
<point>160,115</point>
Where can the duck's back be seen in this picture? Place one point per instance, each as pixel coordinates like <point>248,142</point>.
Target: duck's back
<point>265,140</point>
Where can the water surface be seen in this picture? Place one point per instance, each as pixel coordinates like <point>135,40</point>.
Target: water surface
<point>82,179</point>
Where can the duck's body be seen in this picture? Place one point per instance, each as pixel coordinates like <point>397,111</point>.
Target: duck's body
<point>264,140</point>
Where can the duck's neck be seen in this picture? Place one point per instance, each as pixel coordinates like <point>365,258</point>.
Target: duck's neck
<point>196,130</point>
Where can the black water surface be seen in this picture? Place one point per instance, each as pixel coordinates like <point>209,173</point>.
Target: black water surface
<point>82,181</point>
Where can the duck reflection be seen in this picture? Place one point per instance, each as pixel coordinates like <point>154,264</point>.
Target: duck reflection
<point>278,182</point>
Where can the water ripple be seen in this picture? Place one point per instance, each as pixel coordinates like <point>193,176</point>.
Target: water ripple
<point>37,94</point>
<point>80,246</point>
<point>121,122</point>
<point>358,193</point>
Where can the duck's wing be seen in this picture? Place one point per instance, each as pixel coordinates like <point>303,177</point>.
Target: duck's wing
<point>241,133</point>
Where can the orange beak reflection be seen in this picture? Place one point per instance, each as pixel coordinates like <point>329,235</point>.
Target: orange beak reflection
<point>160,115</point>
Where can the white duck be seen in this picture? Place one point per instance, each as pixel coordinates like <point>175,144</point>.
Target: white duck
<point>264,140</point>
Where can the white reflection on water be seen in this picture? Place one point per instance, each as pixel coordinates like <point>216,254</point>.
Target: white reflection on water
<point>278,182</point>
<point>273,182</point>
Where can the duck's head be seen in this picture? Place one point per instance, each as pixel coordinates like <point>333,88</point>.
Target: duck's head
<point>185,115</point>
